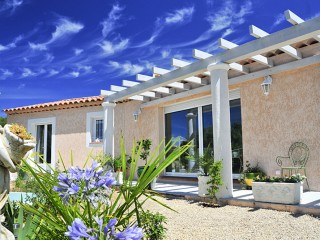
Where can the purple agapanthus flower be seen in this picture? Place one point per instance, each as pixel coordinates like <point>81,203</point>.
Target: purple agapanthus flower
<point>130,233</point>
<point>91,183</point>
<point>78,231</point>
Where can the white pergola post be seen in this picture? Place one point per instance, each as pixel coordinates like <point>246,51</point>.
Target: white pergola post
<point>221,124</point>
<point>108,128</point>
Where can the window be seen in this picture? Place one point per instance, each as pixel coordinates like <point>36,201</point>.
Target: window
<point>44,140</point>
<point>44,131</point>
<point>97,133</point>
<point>94,129</point>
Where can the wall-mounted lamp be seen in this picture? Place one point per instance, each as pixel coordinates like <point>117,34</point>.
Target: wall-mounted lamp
<point>266,85</point>
<point>136,115</point>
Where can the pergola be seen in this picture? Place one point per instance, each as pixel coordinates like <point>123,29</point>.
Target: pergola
<point>215,73</point>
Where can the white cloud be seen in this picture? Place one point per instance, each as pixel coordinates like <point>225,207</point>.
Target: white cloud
<point>38,46</point>
<point>64,28</point>
<point>110,48</point>
<point>180,15</point>
<point>27,72</point>
<point>227,32</point>
<point>26,59</point>
<point>280,18</point>
<point>165,53</point>
<point>10,45</point>
<point>49,57</point>
<point>10,5</point>
<point>85,69</point>
<point>77,51</point>
<point>109,24</point>
<point>52,72</point>
<point>5,73</point>
<point>126,68</point>
<point>74,74</point>
<point>228,15</point>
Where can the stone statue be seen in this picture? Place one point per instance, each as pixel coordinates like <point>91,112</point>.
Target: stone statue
<point>12,150</point>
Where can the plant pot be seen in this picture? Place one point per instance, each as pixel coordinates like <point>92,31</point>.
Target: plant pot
<point>203,186</point>
<point>119,177</point>
<point>276,192</point>
<point>248,178</point>
<point>153,184</point>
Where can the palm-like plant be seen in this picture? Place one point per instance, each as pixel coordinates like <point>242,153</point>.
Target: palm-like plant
<point>125,203</point>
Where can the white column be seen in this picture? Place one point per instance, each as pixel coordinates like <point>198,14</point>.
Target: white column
<point>221,124</point>
<point>191,117</point>
<point>108,128</point>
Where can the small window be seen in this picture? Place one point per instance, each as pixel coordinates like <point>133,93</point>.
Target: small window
<point>94,129</point>
<point>97,133</point>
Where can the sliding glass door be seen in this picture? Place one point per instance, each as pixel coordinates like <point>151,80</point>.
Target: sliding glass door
<point>196,124</point>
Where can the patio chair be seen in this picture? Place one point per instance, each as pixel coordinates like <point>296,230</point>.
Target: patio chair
<point>298,155</point>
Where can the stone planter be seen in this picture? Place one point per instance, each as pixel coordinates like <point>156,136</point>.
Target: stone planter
<point>13,148</point>
<point>203,186</point>
<point>275,192</point>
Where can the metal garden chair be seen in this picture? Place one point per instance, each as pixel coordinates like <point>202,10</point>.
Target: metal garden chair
<point>298,155</point>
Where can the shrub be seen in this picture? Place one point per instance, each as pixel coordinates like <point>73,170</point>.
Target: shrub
<point>153,225</point>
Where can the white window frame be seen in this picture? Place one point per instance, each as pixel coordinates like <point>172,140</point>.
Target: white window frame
<point>196,103</point>
<point>91,128</point>
<point>32,128</point>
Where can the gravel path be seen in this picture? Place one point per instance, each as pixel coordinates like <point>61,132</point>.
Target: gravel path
<point>196,222</point>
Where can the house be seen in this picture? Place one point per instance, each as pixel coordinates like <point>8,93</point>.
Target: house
<point>266,93</point>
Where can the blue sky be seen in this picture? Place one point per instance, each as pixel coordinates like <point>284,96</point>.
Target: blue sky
<point>53,50</point>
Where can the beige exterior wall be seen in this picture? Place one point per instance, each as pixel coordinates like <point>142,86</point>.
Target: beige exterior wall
<point>148,126</point>
<point>70,132</point>
<point>291,113</point>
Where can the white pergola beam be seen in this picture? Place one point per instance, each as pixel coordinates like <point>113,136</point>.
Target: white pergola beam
<point>200,54</point>
<point>106,93</point>
<point>225,44</point>
<point>143,78</point>
<point>235,66</point>
<point>271,42</point>
<point>179,63</point>
<point>115,88</point>
<point>295,20</point>
<point>164,90</point>
<point>151,94</point>
<point>196,80</point>
<point>127,83</point>
<point>159,71</point>
<point>140,98</point>
<point>239,68</point>
<point>179,85</point>
<point>259,33</point>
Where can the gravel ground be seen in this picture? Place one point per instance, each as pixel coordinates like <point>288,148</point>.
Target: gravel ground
<point>229,222</point>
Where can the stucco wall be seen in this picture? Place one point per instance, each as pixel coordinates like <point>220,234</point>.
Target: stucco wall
<point>70,132</point>
<point>147,126</point>
<point>290,113</point>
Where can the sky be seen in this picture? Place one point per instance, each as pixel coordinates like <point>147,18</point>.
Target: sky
<point>54,50</point>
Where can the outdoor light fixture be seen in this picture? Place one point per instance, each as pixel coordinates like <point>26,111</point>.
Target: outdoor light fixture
<point>136,115</point>
<point>266,85</point>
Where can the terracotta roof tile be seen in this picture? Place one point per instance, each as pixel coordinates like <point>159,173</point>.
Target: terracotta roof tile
<point>63,104</point>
